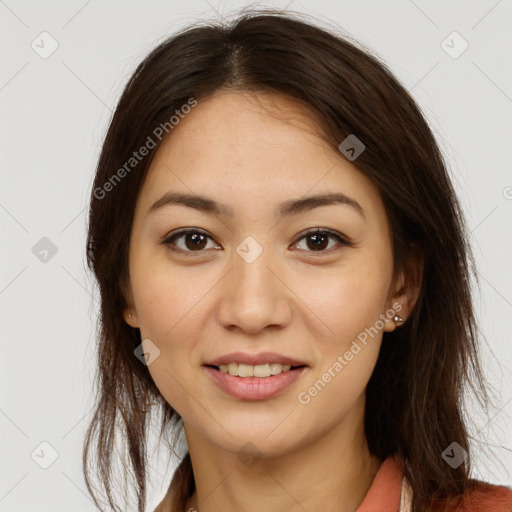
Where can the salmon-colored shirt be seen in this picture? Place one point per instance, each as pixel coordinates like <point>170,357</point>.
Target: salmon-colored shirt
<point>390,492</point>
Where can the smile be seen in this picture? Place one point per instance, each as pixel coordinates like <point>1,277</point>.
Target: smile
<point>259,370</point>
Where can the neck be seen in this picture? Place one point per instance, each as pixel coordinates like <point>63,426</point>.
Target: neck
<point>331,474</point>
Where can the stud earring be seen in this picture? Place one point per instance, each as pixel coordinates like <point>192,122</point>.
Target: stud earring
<point>398,320</point>
<point>130,315</point>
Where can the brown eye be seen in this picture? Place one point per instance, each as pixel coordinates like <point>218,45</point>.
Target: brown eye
<point>318,241</point>
<point>193,240</point>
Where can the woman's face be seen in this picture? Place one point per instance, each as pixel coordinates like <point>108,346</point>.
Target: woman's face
<point>249,279</point>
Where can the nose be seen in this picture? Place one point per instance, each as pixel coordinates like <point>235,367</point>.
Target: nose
<point>254,296</point>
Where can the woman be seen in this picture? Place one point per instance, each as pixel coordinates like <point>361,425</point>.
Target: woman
<point>284,271</point>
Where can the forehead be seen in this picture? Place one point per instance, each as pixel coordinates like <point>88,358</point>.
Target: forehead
<point>251,147</point>
<point>239,126</point>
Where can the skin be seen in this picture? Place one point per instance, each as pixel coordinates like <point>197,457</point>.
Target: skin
<point>251,152</point>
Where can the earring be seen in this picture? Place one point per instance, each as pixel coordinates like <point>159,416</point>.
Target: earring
<point>130,315</point>
<point>398,320</point>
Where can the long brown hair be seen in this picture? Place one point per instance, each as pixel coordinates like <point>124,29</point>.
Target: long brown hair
<point>414,402</point>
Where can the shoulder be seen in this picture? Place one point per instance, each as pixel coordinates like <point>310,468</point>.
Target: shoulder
<point>486,497</point>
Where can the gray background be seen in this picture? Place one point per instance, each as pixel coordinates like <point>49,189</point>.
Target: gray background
<point>54,113</point>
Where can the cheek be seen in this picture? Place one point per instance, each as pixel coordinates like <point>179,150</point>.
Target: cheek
<point>166,300</point>
<point>349,305</point>
<point>167,318</point>
<point>349,298</point>
<point>169,306</point>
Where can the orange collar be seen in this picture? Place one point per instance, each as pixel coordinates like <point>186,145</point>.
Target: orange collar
<point>389,491</point>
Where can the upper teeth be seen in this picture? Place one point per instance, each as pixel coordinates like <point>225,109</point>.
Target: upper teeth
<point>259,370</point>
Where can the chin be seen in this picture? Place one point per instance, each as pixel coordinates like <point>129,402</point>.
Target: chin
<point>259,443</point>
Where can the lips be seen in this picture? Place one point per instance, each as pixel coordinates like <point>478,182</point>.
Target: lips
<point>254,388</point>
<point>284,372</point>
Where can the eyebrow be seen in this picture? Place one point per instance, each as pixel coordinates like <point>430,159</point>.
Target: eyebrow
<point>290,207</point>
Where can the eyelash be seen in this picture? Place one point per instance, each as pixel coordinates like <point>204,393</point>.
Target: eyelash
<point>168,240</point>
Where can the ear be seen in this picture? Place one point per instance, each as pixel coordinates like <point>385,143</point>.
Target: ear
<point>129,312</point>
<point>407,289</point>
